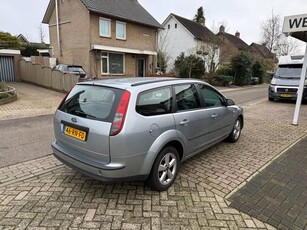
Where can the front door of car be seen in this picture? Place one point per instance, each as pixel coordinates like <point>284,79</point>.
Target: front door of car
<point>220,116</point>
<point>191,119</point>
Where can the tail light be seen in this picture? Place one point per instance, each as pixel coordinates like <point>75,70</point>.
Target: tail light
<point>64,99</point>
<point>120,114</point>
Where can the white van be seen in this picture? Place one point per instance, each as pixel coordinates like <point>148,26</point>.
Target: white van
<point>286,80</point>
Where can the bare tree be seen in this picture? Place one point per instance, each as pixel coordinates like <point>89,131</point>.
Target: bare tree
<point>215,50</point>
<point>287,46</point>
<point>163,56</point>
<point>271,31</point>
<point>42,33</point>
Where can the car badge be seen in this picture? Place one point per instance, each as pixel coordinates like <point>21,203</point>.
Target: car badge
<point>286,90</point>
<point>75,120</point>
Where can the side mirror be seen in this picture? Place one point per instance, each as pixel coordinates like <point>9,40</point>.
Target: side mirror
<point>229,102</point>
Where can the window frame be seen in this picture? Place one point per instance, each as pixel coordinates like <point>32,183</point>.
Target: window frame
<point>171,91</point>
<point>101,19</point>
<point>198,97</point>
<point>107,57</point>
<point>125,30</point>
<point>202,99</point>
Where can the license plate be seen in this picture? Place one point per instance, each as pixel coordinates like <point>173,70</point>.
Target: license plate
<point>76,133</point>
<point>285,95</point>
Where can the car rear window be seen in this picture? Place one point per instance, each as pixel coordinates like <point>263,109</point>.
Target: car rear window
<point>75,69</point>
<point>92,102</point>
<point>155,102</point>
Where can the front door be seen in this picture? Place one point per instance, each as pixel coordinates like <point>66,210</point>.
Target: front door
<point>190,119</point>
<point>220,116</point>
<point>141,67</point>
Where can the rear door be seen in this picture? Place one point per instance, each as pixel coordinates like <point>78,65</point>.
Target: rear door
<point>83,121</point>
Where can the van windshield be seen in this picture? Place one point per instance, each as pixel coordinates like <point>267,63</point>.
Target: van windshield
<point>289,71</point>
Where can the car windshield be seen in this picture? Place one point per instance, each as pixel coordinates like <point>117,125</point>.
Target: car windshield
<point>289,71</point>
<point>92,102</point>
<point>75,69</point>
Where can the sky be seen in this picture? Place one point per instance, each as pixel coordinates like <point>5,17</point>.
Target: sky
<point>245,16</point>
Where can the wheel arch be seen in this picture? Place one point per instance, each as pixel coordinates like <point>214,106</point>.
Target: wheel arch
<point>242,120</point>
<point>169,138</point>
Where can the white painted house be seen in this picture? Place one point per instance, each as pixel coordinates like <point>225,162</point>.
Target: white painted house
<point>183,35</point>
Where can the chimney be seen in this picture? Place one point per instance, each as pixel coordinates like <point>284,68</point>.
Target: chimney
<point>237,34</point>
<point>202,21</point>
<point>222,29</point>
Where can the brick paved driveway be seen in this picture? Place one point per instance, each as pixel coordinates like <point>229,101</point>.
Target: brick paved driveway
<point>44,194</point>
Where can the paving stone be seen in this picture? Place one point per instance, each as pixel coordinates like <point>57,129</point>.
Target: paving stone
<point>280,205</point>
<point>52,196</point>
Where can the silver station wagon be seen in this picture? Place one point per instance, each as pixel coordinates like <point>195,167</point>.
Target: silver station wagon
<point>141,128</point>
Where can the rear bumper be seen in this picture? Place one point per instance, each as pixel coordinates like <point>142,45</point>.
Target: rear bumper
<point>112,172</point>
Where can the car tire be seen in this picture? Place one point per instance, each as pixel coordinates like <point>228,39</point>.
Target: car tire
<point>164,169</point>
<point>271,99</point>
<point>236,131</point>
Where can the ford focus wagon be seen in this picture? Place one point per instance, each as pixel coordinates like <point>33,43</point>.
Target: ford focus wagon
<point>141,128</point>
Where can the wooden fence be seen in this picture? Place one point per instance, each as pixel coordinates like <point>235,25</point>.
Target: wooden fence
<point>47,77</point>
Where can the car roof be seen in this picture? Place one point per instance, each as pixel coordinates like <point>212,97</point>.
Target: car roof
<point>130,82</point>
<point>70,65</point>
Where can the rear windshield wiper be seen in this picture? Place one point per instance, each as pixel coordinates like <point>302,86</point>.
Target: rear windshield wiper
<point>82,114</point>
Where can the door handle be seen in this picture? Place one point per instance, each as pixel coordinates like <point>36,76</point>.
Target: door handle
<point>185,122</point>
<point>214,116</point>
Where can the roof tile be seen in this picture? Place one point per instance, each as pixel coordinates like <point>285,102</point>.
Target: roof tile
<point>199,31</point>
<point>129,10</point>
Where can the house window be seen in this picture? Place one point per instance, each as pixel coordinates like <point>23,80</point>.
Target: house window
<point>168,26</point>
<point>112,63</point>
<point>105,27</point>
<point>176,26</point>
<point>121,30</point>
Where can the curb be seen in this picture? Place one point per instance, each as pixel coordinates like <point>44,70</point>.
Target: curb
<point>9,99</point>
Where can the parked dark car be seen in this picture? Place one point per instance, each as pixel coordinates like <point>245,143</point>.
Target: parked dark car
<point>72,69</point>
<point>255,80</point>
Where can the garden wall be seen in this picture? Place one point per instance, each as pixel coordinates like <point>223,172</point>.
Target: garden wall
<point>46,77</point>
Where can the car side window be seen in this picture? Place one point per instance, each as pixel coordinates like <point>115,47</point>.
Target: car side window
<point>211,98</point>
<point>155,102</point>
<point>186,97</point>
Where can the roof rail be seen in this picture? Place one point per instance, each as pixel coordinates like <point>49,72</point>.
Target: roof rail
<point>154,80</point>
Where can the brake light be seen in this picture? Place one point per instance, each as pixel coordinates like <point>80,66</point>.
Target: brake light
<point>64,99</point>
<point>120,114</point>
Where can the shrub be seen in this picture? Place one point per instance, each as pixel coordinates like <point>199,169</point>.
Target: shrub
<point>224,70</point>
<point>189,67</point>
<point>242,66</point>
<point>259,70</point>
<point>3,86</point>
<point>4,95</point>
<point>222,80</point>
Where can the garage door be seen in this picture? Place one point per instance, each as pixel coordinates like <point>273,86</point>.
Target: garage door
<point>7,70</point>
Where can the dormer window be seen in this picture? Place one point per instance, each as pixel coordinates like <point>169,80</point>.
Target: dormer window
<point>105,27</point>
<point>176,26</point>
<point>121,30</point>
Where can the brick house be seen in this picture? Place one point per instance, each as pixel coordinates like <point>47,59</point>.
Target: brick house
<point>261,51</point>
<point>106,37</point>
<point>232,45</point>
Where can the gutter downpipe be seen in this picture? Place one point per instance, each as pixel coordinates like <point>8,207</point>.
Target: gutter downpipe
<point>58,25</point>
